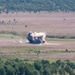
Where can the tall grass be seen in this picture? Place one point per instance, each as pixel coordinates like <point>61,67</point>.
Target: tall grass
<point>61,37</point>
<point>9,32</point>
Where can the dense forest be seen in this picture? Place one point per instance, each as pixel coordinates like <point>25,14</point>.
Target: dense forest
<point>37,67</point>
<point>37,5</point>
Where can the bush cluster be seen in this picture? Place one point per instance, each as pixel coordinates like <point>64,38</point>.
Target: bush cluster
<point>38,67</point>
<point>37,5</point>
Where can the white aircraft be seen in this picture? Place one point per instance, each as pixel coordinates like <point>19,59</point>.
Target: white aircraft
<point>36,38</point>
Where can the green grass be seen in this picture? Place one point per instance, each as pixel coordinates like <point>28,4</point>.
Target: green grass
<point>15,51</point>
<point>8,36</point>
<point>15,35</point>
<point>58,39</point>
<point>33,49</point>
<point>12,36</point>
<point>24,52</point>
<point>61,36</point>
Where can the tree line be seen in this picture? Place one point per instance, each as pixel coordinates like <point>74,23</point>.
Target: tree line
<point>37,5</point>
<point>38,67</point>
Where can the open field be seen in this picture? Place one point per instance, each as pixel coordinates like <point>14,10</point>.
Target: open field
<point>55,24</point>
<point>51,23</point>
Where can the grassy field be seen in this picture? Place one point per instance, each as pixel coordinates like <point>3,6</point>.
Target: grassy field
<point>60,42</point>
<point>35,52</point>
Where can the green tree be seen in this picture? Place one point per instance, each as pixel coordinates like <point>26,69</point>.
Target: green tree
<point>47,71</point>
<point>2,70</point>
<point>37,5</point>
<point>21,67</point>
<point>61,71</point>
<point>38,66</point>
<point>29,69</point>
<point>54,68</point>
<point>9,70</point>
<point>36,72</point>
